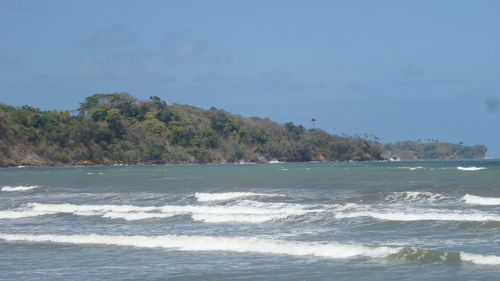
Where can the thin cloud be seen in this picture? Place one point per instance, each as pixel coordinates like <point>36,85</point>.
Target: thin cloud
<point>429,82</point>
<point>213,76</point>
<point>114,68</point>
<point>180,48</point>
<point>21,6</point>
<point>276,77</point>
<point>113,36</point>
<point>411,74</point>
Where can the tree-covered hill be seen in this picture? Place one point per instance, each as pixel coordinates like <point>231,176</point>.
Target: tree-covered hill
<point>413,150</point>
<point>118,128</point>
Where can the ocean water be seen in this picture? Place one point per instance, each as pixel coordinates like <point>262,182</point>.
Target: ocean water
<point>434,220</point>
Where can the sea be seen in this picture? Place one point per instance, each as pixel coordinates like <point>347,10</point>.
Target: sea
<point>419,220</point>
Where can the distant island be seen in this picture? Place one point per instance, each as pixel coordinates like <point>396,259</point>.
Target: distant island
<point>119,129</point>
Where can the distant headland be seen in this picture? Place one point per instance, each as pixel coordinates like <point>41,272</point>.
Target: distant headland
<point>119,129</point>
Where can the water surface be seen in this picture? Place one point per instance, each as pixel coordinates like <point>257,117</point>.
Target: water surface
<point>284,221</point>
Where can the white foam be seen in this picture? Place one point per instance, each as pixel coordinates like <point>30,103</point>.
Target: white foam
<point>224,196</point>
<point>136,216</point>
<point>274,161</point>
<point>478,200</point>
<point>415,168</point>
<point>470,168</point>
<point>413,196</point>
<point>20,214</point>
<point>19,188</point>
<point>480,259</point>
<point>247,218</point>
<point>246,211</point>
<point>72,208</point>
<point>344,207</point>
<point>427,216</point>
<point>214,243</point>
<point>411,168</point>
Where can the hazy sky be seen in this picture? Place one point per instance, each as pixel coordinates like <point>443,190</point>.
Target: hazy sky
<point>396,69</point>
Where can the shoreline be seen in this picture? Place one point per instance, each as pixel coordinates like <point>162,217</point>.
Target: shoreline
<point>88,163</point>
<point>112,164</point>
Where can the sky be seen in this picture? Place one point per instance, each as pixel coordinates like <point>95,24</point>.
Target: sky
<point>399,70</point>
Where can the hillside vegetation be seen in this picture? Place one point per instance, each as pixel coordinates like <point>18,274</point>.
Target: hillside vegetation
<point>413,150</point>
<point>118,128</point>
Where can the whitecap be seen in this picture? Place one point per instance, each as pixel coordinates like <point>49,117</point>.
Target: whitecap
<point>471,168</point>
<point>224,196</point>
<point>136,216</point>
<point>478,200</point>
<point>427,216</point>
<point>245,212</point>
<point>247,218</point>
<point>218,243</point>
<point>19,188</point>
<point>411,196</point>
<point>21,214</point>
<point>411,168</point>
<point>480,259</point>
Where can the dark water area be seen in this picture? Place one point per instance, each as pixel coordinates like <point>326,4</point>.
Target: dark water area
<point>425,220</point>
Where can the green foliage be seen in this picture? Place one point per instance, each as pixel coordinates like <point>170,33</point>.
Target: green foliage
<point>296,131</point>
<point>222,122</point>
<point>433,150</point>
<point>117,128</point>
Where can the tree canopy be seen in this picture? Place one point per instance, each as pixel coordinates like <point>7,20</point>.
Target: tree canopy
<point>118,128</point>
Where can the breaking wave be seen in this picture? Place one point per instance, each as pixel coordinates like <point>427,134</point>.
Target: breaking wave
<point>245,212</point>
<point>412,196</point>
<point>214,243</point>
<point>224,196</point>
<point>478,200</point>
<point>480,259</point>
<point>471,168</point>
<point>260,246</point>
<point>427,216</point>
<point>19,188</point>
<point>20,214</point>
<point>415,255</point>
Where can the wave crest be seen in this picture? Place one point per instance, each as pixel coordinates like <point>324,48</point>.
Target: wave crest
<point>478,200</point>
<point>471,168</point>
<point>244,212</point>
<point>427,216</point>
<point>412,196</point>
<point>224,196</point>
<point>480,259</point>
<point>18,188</point>
<point>215,243</point>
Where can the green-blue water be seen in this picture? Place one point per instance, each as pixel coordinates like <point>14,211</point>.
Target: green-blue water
<point>436,220</point>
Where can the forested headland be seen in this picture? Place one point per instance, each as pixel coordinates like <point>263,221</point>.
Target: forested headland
<point>120,129</point>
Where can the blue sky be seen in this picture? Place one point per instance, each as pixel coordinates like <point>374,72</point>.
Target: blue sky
<point>401,70</point>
